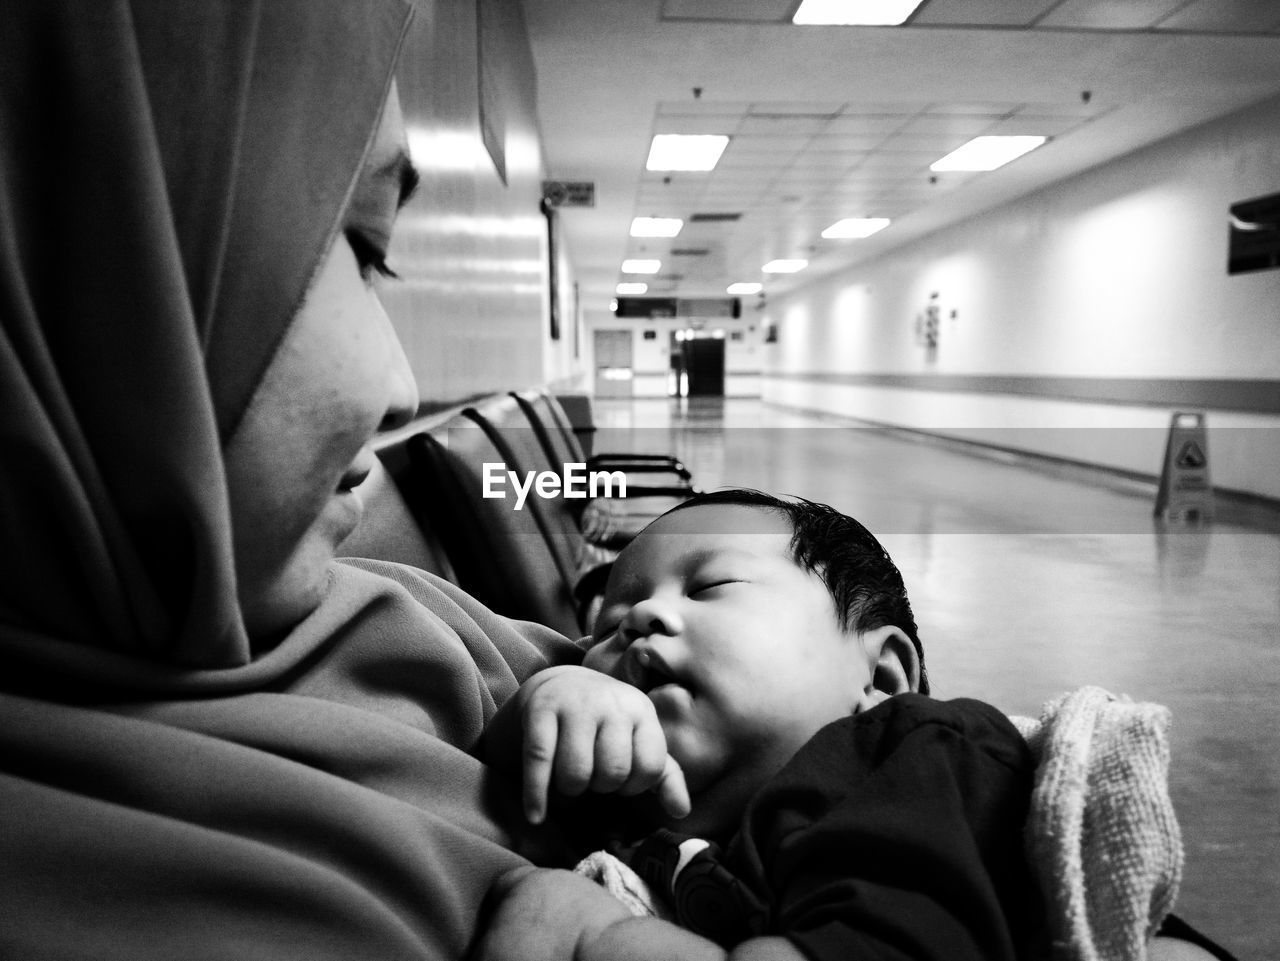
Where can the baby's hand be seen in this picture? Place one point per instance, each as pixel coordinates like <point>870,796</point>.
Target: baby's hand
<point>584,730</point>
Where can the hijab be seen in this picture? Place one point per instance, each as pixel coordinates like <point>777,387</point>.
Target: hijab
<point>170,177</point>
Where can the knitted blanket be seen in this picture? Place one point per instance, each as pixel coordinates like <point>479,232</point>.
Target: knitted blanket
<point>1101,835</point>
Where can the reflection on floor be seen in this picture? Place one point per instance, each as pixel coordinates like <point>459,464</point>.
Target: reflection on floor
<point>1028,580</point>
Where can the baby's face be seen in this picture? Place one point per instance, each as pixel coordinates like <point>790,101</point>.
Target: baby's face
<point>738,647</point>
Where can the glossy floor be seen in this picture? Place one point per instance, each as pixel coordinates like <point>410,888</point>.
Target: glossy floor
<point>1030,579</point>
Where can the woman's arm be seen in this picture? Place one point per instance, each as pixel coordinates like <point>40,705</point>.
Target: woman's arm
<point>546,915</point>
<point>1173,949</point>
<point>650,939</point>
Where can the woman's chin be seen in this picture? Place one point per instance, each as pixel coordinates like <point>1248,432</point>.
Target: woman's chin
<point>341,515</point>
<point>276,604</point>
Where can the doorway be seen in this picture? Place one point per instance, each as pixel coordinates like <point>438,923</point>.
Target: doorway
<point>697,363</point>
<point>614,372</point>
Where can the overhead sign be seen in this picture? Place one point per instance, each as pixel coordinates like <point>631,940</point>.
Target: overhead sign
<point>709,307</point>
<point>694,308</point>
<point>1185,491</point>
<point>646,307</point>
<point>569,193</point>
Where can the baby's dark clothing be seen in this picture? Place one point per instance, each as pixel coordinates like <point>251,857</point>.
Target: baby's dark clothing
<point>892,834</point>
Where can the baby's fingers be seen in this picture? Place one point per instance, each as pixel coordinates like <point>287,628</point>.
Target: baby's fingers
<point>653,769</point>
<point>673,793</point>
<point>540,735</point>
<point>613,756</point>
<point>649,757</point>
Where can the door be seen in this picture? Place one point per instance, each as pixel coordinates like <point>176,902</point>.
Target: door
<point>613,363</point>
<point>704,360</point>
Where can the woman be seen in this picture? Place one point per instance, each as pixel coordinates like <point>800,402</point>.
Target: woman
<point>214,742</point>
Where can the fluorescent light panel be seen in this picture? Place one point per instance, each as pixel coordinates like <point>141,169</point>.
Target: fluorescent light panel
<point>631,289</point>
<point>655,226</point>
<point>987,153</point>
<point>855,228</point>
<point>677,151</point>
<point>874,13</point>
<point>744,288</point>
<point>641,266</point>
<point>784,266</point>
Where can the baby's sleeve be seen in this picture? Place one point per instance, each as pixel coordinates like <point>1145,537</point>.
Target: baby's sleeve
<point>897,834</point>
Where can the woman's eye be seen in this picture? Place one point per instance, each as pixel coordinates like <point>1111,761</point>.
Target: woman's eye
<point>371,260</point>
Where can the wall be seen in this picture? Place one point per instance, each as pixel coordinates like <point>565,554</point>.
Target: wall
<point>651,359</point>
<point>1071,322</point>
<point>471,307</point>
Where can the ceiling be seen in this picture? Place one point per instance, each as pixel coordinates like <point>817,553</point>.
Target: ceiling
<point>833,122</point>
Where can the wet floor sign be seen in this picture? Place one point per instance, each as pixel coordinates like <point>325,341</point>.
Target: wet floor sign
<point>1185,492</point>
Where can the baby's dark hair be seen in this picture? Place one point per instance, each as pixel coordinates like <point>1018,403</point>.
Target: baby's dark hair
<point>863,581</point>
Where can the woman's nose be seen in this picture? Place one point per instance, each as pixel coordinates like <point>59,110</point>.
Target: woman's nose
<point>649,617</point>
<point>402,401</point>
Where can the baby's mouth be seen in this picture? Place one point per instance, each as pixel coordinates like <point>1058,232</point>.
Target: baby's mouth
<point>646,670</point>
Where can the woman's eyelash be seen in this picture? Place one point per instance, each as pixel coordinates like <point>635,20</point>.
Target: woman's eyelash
<point>369,258</point>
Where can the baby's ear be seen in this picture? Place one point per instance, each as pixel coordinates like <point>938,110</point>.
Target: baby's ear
<point>895,665</point>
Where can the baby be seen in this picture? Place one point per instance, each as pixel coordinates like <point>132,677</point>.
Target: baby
<point>755,664</point>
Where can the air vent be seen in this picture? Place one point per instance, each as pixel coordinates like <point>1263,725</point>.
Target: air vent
<point>714,218</point>
<point>690,251</point>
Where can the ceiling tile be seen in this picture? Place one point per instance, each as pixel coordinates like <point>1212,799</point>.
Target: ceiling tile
<point>1225,16</point>
<point>698,108</point>
<point>867,123</point>
<point>921,143</point>
<point>799,108</point>
<point>989,108</point>
<point>788,124</point>
<point>954,125</point>
<point>1079,107</point>
<point>708,123</point>
<point>984,12</point>
<point>1036,124</point>
<point>729,10</point>
<point>1108,15</point>
<point>825,161</point>
<point>843,143</point>
<point>743,177</point>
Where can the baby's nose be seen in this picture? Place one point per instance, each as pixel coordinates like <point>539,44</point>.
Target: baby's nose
<point>647,618</point>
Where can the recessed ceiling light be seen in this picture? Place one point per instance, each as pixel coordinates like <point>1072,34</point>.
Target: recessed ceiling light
<point>784,266</point>
<point>641,266</point>
<point>987,153</point>
<point>876,13</point>
<point>855,228</point>
<point>656,226</point>
<point>677,151</point>
<point>744,288</point>
<point>631,290</point>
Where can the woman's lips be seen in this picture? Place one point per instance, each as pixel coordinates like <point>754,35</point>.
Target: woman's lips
<point>356,474</point>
